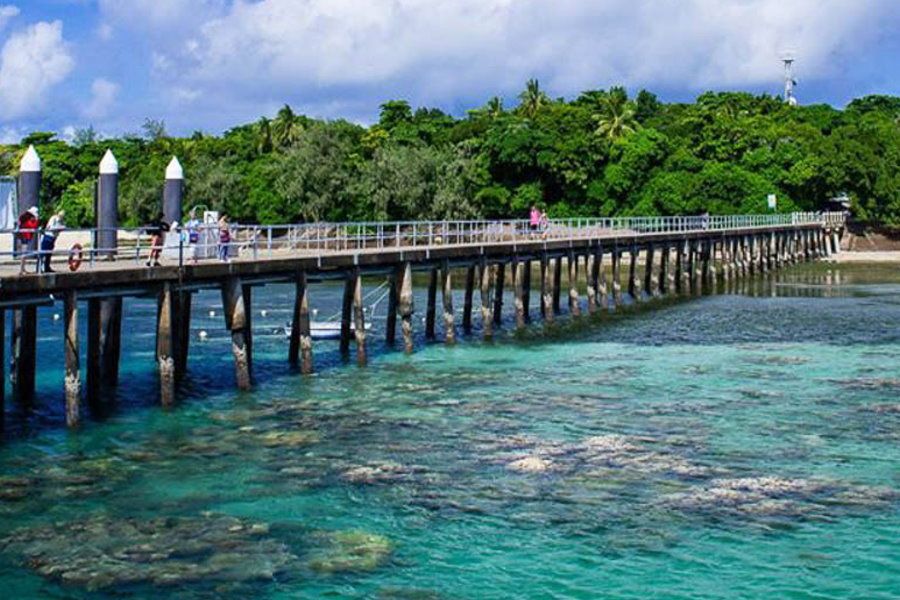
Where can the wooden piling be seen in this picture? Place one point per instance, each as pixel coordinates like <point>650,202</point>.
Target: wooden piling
<point>24,355</point>
<point>546,289</point>
<point>526,291</point>
<point>634,286</point>
<point>467,299</point>
<point>519,292</point>
<point>602,290</point>
<point>617,277</point>
<point>181,319</point>
<point>591,275</point>
<point>651,280</point>
<point>347,313</point>
<point>73,371</point>
<point>237,322</point>
<point>574,301</point>
<point>110,340</point>
<point>407,307</point>
<point>447,303</point>
<point>390,327</point>
<point>487,307</point>
<point>431,304</point>
<point>666,278</point>
<point>359,319</point>
<point>499,281</point>
<point>165,346</point>
<point>557,284</point>
<point>93,354</point>
<point>300,350</point>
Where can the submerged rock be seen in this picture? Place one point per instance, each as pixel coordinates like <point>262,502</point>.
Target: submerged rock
<point>103,552</point>
<point>530,464</point>
<point>379,473</point>
<point>346,551</point>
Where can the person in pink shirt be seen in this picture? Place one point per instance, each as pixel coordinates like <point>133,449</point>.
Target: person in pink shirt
<point>535,219</point>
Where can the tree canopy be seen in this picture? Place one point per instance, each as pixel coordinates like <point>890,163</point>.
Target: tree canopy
<point>600,154</point>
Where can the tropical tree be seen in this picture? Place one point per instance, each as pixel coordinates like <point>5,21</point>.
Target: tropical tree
<point>532,99</point>
<point>615,116</point>
<point>263,130</point>
<point>287,127</point>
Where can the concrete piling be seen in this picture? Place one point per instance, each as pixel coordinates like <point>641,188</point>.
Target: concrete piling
<point>617,277</point>
<point>547,311</point>
<point>447,303</point>
<point>390,327</point>
<point>634,288</point>
<point>238,323</point>
<point>347,313</point>
<point>557,284</point>
<point>592,276</point>
<point>602,290</point>
<point>526,291</point>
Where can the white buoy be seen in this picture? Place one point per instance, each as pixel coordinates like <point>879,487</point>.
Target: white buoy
<point>263,313</point>
<point>203,335</point>
<point>56,316</point>
<point>315,312</point>
<point>212,313</point>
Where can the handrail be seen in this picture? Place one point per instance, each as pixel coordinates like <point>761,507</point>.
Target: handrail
<point>324,237</point>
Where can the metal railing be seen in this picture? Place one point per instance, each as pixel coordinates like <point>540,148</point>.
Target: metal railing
<point>203,243</point>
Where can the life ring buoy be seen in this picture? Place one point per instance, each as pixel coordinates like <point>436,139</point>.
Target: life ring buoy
<point>76,255</point>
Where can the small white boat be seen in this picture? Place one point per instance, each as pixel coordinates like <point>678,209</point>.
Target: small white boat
<point>324,330</point>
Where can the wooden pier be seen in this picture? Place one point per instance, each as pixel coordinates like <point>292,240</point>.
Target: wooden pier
<point>665,256</point>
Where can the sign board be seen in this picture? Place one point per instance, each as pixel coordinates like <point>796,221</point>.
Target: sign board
<point>772,201</point>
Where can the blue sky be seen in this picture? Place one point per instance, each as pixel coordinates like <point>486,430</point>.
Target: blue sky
<point>209,64</point>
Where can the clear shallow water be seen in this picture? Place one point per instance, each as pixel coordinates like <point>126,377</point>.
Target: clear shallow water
<point>742,445</point>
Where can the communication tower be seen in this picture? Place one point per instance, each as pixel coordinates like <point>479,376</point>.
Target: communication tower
<point>789,81</point>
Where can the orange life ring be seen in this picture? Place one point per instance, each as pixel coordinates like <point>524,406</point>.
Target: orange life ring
<point>76,255</point>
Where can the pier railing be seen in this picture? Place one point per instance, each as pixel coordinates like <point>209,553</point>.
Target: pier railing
<point>189,245</point>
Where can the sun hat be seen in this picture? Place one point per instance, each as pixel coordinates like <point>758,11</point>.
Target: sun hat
<point>33,210</point>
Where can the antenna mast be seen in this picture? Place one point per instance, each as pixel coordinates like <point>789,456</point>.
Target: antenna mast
<point>789,81</point>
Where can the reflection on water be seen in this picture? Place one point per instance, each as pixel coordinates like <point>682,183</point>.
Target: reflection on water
<point>743,444</point>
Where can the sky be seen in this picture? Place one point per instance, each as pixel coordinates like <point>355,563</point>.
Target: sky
<point>210,64</point>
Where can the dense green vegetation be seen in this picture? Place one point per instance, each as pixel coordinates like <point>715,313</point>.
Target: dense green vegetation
<point>600,154</point>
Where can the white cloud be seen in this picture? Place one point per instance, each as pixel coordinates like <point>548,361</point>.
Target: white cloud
<point>7,12</point>
<point>103,97</point>
<point>12,135</point>
<point>321,51</point>
<point>31,63</point>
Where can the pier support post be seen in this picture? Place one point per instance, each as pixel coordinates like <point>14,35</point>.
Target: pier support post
<point>447,303</point>
<point>526,291</point>
<point>487,307</point>
<point>574,301</point>
<point>390,327</point>
<point>682,268</point>
<point>238,323</point>
<point>557,284</point>
<point>546,289</point>
<point>300,351</point>
<point>73,371</point>
<point>164,346</point>
<point>712,249</point>
<point>602,289</point>
<point>359,319</point>
<point>499,282</point>
<point>835,241</point>
<point>406,306</point>
<point>651,281</point>
<point>431,305</point>
<point>518,273</point>
<point>666,278</point>
<point>181,322</point>
<point>691,266</point>
<point>24,355</point>
<point>617,277</point>
<point>2,369</point>
<point>634,286</point>
<point>591,277</point>
<point>825,242</point>
<point>467,299</point>
<point>347,313</point>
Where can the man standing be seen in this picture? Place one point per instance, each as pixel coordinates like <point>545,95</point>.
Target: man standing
<point>48,241</point>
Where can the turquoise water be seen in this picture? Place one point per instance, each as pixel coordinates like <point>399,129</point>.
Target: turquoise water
<point>739,445</point>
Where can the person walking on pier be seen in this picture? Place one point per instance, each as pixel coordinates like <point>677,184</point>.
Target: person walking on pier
<point>28,230</point>
<point>224,238</point>
<point>534,219</point>
<point>156,229</point>
<point>48,241</point>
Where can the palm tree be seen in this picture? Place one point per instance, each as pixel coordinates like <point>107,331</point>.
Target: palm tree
<point>532,99</point>
<point>615,119</point>
<point>494,107</point>
<point>287,127</point>
<point>263,135</point>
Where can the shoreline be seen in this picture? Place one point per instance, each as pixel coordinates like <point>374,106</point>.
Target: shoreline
<point>866,256</point>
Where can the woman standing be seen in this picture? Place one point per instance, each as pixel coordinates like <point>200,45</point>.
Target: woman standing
<point>224,238</point>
